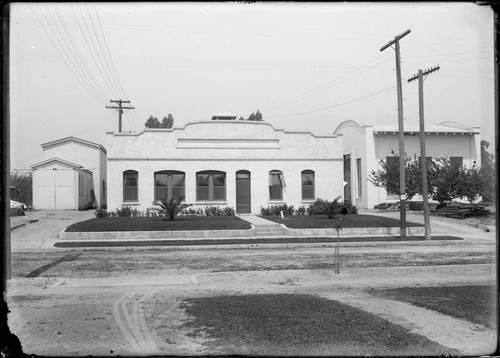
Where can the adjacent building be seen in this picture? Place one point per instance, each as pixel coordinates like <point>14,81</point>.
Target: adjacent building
<point>223,162</point>
<point>71,176</point>
<point>365,145</point>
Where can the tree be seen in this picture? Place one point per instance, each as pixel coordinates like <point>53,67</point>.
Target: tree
<point>23,182</point>
<point>443,179</point>
<point>257,116</point>
<point>152,122</point>
<point>388,177</point>
<point>167,122</point>
<point>469,183</point>
<point>487,171</point>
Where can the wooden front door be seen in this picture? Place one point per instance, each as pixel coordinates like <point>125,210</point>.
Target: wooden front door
<point>347,178</point>
<point>243,199</point>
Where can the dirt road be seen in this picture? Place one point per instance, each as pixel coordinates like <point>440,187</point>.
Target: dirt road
<point>127,302</point>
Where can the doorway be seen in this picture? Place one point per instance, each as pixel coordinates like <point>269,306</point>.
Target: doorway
<point>243,197</point>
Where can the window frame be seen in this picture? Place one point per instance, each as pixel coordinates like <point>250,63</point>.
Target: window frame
<point>211,186</point>
<point>136,187</point>
<point>170,187</point>
<point>305,186</point>
<point>281,179</point>
<point>359,178</point>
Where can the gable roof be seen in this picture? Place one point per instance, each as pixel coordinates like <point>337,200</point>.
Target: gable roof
<point>72,139</point>
<point>60,161</point>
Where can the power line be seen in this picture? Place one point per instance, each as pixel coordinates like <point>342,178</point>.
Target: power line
<point>333,106</point>
<point>85,70</point>
<point>90,49</point>
<point>82,82</point>
<point>109,71</point>
<point>325,86</point>
<point>110,57</point>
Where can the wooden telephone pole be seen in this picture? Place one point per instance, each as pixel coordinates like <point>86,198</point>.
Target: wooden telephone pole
<point>423,160</point>
<point>120,109</point>
<point>402,179</point>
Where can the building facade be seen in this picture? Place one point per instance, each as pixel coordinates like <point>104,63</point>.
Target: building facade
<point>366,145</point>
<point>78,154</point>
<point>242,164</point>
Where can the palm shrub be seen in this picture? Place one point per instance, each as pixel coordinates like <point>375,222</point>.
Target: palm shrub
<point>325,207</point>
<point>171,208</point>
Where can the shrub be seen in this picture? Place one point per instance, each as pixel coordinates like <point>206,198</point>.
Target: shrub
<point>348,208</point>
<point>478,211</point>
<point>124,212</point>
<point>301,210</point>
<point>101,213</point>
<point>325,207</point>
<point>218,211</point>
<point>171,208</point>
<point>277,209</point>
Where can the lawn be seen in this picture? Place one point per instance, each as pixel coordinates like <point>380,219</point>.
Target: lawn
<point>348,221</point>
<point>473,303</point>
<point>160,224</point>
<point>297,324</point>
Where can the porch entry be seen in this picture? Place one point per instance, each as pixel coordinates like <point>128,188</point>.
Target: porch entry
<point>347,178</point>
<point>243,198</point>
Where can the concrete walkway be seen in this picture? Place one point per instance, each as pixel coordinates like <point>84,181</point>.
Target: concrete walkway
<point>256,220</point>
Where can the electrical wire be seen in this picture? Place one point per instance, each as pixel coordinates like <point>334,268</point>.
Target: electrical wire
<point>326,86</point>
<point>333,106</point>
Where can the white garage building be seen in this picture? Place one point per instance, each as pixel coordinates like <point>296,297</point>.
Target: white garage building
<point>223,162</point>
<point>71,176</point>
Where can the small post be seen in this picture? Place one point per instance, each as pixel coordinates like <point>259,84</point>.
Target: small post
<point>337,226</point>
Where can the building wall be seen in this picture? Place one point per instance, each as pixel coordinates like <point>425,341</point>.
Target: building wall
<point>225,146</point>
<point>362,143</point>
<point>89,157</point>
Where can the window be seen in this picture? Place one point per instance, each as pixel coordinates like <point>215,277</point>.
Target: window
<point>358,177</point>
<point>130,185</point>
<point>457,162</point>
<point>276,184</point>
<point>210,186</point>
<point>307,185</point>
<point>169,184</point>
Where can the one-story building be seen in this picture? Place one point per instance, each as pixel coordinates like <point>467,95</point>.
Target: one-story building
<point>223,162</point>
<point>71,176</point>
<point>364,146</point>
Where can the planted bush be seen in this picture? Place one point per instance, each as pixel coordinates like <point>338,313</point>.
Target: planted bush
<point>171,208</point>
<point>218,211</point>
<point>325,207</point>
<point>101,213</point>
<point>277,209</point>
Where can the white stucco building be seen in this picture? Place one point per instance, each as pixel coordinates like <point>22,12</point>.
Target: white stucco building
<point>365,145</point>
<point>71,176</point>
<point>223,162</point>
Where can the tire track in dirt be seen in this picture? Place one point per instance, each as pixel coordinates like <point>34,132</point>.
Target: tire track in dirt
<point>132,323</point>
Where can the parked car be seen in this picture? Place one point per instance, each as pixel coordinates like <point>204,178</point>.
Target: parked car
<point>17,208</point>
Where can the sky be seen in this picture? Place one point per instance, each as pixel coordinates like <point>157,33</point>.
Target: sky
<point>305,66</point>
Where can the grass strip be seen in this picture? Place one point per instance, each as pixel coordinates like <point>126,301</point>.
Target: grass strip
<point>181,223</point>
<point>476,304</point>
<point>298,324</point>
<point>262,241</point>
<point>348,221</point>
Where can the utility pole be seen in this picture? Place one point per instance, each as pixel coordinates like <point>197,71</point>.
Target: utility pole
<point>402,180</point>
<point>423,160</point>
<point>120,109</point>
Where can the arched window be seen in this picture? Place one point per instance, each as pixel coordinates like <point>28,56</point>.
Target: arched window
<point>130,185</point>
<point>169,184</point>
<point>211,186</point>
<point>307,185</point>
<point>276,184</point>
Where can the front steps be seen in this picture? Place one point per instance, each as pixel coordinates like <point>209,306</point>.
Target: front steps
<point>268,230</point>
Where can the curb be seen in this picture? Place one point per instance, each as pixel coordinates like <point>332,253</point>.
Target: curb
<point>12,228</point>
